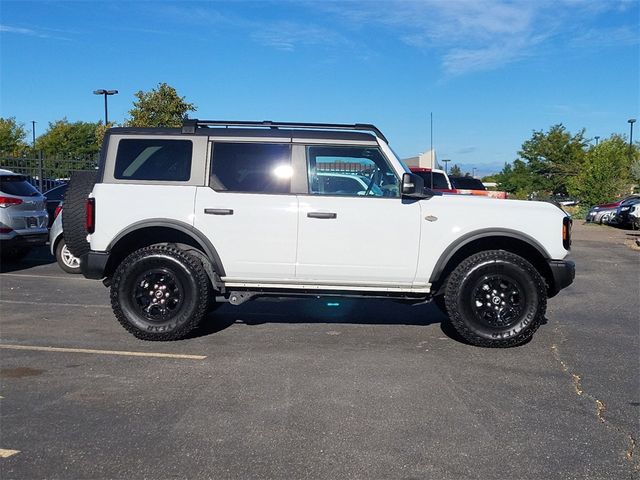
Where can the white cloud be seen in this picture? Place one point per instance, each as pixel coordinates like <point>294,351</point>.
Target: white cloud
<point>30,32</point>
<point>476,35</point>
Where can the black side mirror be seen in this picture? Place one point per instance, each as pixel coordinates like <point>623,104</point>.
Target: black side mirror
<point>412,185</point>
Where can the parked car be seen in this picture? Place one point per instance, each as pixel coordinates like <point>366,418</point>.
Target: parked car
<point>66,260</point>
<point>440,178</point>
<point>23,217</point>
<point>621,216</point>
<point>634,216</point>
<point>604,212</point>
<point>181,220</point>
<point>474,186</point>
<point>339,183</point>
<point>54,197</point>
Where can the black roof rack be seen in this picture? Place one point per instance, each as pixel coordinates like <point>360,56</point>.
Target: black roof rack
<point>189,125</point>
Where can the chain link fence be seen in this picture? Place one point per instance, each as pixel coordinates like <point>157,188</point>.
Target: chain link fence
<point>43,172</point>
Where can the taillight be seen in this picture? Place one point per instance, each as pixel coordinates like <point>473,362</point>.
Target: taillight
<point>57,211</point>
<point>90,222</point>
<point>9,201</point>
<point>6,230</point>
<point>566,232</point>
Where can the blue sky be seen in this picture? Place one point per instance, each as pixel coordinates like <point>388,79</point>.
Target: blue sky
<point>490,71</point>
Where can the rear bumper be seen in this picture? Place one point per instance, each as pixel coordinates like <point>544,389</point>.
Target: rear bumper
<point>31,240</point>
<point>563,271</point>
<point>93,264</point>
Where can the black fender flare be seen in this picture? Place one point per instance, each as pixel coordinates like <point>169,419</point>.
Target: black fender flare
<point>199,237</point>
<point>467,238</point>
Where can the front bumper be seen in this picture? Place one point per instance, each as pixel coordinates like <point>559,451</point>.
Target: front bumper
<point>93,264</point>
<point>563,272</point>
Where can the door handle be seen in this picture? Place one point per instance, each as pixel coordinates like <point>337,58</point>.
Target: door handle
<point>218,211</point>
<point>322,215</point>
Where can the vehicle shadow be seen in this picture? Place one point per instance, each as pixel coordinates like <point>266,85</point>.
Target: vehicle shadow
<point>36,257</point>
<point>325,310</point>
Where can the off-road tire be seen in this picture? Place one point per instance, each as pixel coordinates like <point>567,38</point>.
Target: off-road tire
<point>73,214</point>
<point>490,266</point>
<point>60,259</point>
<point>188,273</point>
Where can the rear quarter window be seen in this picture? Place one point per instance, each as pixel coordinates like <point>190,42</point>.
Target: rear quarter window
<point>150,159</point>
<point>17,185</point>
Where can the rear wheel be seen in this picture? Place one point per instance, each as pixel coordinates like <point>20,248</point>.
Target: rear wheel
<point>160,293</point>
<point>67,261</point>
<point>496,299</point>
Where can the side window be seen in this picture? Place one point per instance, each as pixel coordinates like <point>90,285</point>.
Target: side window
<point>251,167</point>
<point>350,171</point>
<point>149,159</point>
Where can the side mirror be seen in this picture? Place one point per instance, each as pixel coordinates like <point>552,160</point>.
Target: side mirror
<point>412,185</point>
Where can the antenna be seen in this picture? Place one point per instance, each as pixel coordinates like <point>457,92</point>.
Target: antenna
<point>433,163</point>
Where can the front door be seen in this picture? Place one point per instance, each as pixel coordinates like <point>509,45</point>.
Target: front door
<point>353,225</point>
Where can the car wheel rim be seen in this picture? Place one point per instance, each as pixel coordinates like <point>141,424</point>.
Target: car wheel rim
<point>69,259</point>
<point>498,301</point>
<point>158,295</point>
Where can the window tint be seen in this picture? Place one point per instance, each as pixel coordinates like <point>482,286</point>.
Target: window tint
<point>439,180</point>
<point>468,183</point>
<point>17,185</point>
<point>56,193</point>
<point>251,167</point>
<point>351,171</point>
<point>163,160</point>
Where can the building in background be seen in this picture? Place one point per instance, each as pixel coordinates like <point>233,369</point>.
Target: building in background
<point>423,160</point>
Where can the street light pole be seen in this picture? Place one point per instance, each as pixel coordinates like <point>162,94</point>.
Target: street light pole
<point>631,122</point>
<point>33,133</point>
<point>473,172</point>
<point>106,93</point>
<point>446,165</point>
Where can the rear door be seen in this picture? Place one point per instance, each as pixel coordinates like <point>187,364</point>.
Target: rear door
<point>248,212</point>
<point>354,228</point>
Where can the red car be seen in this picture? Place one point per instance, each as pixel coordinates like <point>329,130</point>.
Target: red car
<point>443,183</point>
<point>440,179</point>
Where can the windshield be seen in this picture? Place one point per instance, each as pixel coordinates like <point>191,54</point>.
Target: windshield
<point>17,185</point>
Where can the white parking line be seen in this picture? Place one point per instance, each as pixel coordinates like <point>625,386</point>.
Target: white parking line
<point>20,302</point>
<point>28,275</point>
<point>103,352</point>
<point>4,453</point>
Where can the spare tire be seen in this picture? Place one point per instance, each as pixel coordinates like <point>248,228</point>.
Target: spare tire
<point>73,214</point>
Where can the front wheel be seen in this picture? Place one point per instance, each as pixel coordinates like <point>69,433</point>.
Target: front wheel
<point>160,293</point>
<point>496,299</point>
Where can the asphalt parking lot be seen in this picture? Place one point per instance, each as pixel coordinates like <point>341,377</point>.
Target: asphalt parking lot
<point>320,389</point>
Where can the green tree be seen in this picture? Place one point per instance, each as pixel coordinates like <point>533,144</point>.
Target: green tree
<point>455,171</point>
<point>12,136</point>
<point>160,107</point>
<point>69,140</point>
<point>491,178</point>
<point>635,169</point>
<point>553,158</point>
<point>517,179</point>
<point>605,172</point>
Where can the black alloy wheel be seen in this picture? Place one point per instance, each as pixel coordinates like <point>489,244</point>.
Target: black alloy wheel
<point>496,299</point>
<point>160,293</point>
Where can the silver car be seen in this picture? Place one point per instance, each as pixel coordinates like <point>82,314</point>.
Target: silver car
<point>66,260</point>
<point>23,216</point>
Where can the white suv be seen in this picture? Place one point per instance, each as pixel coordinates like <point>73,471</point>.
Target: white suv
<point>180,220</point>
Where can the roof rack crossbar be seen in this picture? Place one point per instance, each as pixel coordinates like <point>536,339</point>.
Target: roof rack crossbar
<point>189,125</point>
